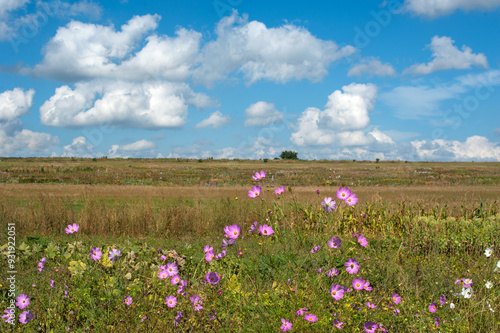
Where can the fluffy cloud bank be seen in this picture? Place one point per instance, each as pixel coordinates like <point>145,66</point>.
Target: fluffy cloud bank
<point>15,103</point>
<point>215,120</point>
<point>447,56</point>
<point>14,140</point>
<point>262,114</point>
<point>89,51</point>
<point>474,148</point>
<point>343,120</point>
<point>122,104</point>
<point>277,54</point>
<point>141,148</point>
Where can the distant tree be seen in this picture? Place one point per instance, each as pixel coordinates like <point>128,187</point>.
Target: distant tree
<point>289,155</point>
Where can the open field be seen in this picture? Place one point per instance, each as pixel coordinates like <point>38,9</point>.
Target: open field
<point>426,224</point>
<point>183,172</point>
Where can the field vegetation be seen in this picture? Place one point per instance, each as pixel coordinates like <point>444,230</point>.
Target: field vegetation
<point>430,257</point>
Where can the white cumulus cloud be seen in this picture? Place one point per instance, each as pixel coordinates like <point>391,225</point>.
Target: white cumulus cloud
<point>15,103</point>
<point>16,141</point>
<point>447,56</point>
<point>215,120</point>
<point>277,54</point>
<point>141,148</point>
<point>79,148</point>
<point>343,120</point>
<point>121,104</point>
<point>262,114</point>
<point>435,8</point>
<point>88,51</point>
<point>474,148</point>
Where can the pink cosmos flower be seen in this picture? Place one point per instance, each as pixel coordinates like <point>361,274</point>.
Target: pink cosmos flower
<point>370,305</point>
<point>287,326</point>
<point>232,231</point>
<point>336,291</point>
<point>163,274</point>
<point>358,284</point>
<point>367,286</point>
<point>95,254</point>
<point>127,300</point>
<point>259,175</point>
<point>311,318</point>
<point>432,307</point>
<point>9,315</point>
<point>338,324</point>
<point>221,255</point>
<point>316,249</point>
<point>467,283</point>
<point>23,301</point>
<point>25,317</point>
<point>301,311</point>
<point>343,193</point>
<point>196,302</point>
<point>328,204</point>
<point>266,230</point>
<point>227,241</point>
<point>40,266</point>
<point>436,321</point>
<point>171,269</point>
<point>254,192</point>
<point>396,312</point>
<point>182,287</point>
<point>370,327</point>
<point>114,255</point>
<point>253,227</point>
<point>396,298</point>
<point>212,277</point>
<point>171,301</point>
<point>362,241</point>
<point>335,242</point>
<point>72,228</point>
<point>280,190</point>
<point>352,200</point>
<point>175,279</point>
<point>332,272</point>
<point>207,248</point>
<point>352,266</point>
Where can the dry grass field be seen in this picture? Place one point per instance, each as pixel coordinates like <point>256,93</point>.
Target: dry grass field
<point>425,226</point>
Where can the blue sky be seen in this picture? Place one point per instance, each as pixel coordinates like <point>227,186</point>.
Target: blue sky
<point>401,79</point>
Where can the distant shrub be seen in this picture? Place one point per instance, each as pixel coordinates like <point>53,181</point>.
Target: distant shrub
<point>289,155</point>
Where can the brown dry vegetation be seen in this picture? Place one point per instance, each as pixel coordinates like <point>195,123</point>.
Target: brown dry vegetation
<point>170,206</point>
